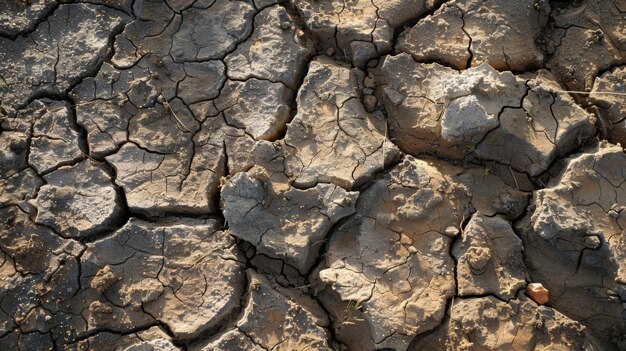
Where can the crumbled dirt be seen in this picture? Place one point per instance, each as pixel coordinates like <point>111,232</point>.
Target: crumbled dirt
<point>312,175</point>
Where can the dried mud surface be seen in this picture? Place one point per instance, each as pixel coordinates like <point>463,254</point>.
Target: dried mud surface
<point>312,175</point>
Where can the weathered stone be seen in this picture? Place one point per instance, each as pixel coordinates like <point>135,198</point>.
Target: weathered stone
<point>538,293</point>
<point>78,201</point>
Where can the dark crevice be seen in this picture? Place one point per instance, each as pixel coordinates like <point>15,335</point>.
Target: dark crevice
<point>468,64</point>
<point>453,243</point>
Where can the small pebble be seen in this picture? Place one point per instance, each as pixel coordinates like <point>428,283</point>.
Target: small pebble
<point>538,293</point>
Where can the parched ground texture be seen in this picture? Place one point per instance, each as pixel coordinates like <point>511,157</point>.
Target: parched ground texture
<point>312,175</point>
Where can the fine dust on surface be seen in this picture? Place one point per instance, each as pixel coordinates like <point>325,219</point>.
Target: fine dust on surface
<point>312,175</point>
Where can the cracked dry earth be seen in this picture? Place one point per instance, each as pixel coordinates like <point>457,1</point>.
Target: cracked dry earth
<point>312,175</point>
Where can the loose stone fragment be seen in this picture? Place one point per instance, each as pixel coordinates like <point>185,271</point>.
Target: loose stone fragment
<point>537,292</point>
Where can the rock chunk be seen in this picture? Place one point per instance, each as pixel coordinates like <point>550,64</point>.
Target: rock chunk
<point>489,258</point>
<point>78,201</point>
<point>276,51</point>
<point>538,293</point>
<point>575,243</point>
<point>275,318</point>
<point>187,275</point>
<point>611,108</point>
<point>56,55</point>
<point>333,139</point>
<point>480,113</point>
<point>466,33</point>
<point>487,323</point>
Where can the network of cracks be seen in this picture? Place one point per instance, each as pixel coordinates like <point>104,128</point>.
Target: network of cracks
<point>312,174</point>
